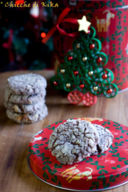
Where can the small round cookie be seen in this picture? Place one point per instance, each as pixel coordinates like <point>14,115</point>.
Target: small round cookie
<point>26,84</point>
<point>105,139</point>
<point>20,108</point>
<point>23,99</point>
<point>28,117</point>
<point>73,140</point>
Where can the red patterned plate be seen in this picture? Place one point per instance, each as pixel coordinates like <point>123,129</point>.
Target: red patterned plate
<point>96,173</point>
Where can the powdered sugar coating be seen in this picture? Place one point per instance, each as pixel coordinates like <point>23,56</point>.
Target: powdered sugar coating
<point>74,140</point>
<point>26,84</point>
<point>21,108</point>
<point>105,138</point>
<point>28,117</point>
<point>23,99</point>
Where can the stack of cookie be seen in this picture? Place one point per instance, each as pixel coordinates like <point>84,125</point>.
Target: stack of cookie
<point>25,98</point>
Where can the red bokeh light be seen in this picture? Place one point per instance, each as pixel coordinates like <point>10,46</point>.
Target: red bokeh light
<point>43,34</point>
<point>18,2</point>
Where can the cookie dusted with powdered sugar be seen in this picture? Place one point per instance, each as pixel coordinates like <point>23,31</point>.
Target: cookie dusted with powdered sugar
<point>105,139</point>
<point>26,84</point>
<point>23,99</point>
<point>73,140</point>
<point>21,108</point>
<point>28,117</point>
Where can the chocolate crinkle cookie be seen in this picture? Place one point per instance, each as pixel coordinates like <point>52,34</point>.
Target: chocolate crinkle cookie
<point>105,139</point>
<point>24,98</point>
<point>76,139</point>
<point>28,84</point>
<point>73,141</point>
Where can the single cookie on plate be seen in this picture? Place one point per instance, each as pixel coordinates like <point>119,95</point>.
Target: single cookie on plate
<point>105,139</point>
<point>28,117</point>
<point>73,140</point>
<point>21,108</point>
<point>26,84</point>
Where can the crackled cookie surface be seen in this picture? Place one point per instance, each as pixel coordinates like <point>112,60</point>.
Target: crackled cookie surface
<point>23,99</point>
<point>28,117</point>
<point>21,108</point>
<point>26,84</point>
<point>105,139</point>
<point>74,140</point>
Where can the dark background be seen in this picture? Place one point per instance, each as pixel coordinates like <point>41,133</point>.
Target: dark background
<point>21,44</point>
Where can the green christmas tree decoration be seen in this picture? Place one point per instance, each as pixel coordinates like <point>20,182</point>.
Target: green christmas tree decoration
<point>83,69</point>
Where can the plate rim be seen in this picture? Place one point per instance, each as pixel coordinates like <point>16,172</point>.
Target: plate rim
<point>91,119</point>
<point>68,189</point>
